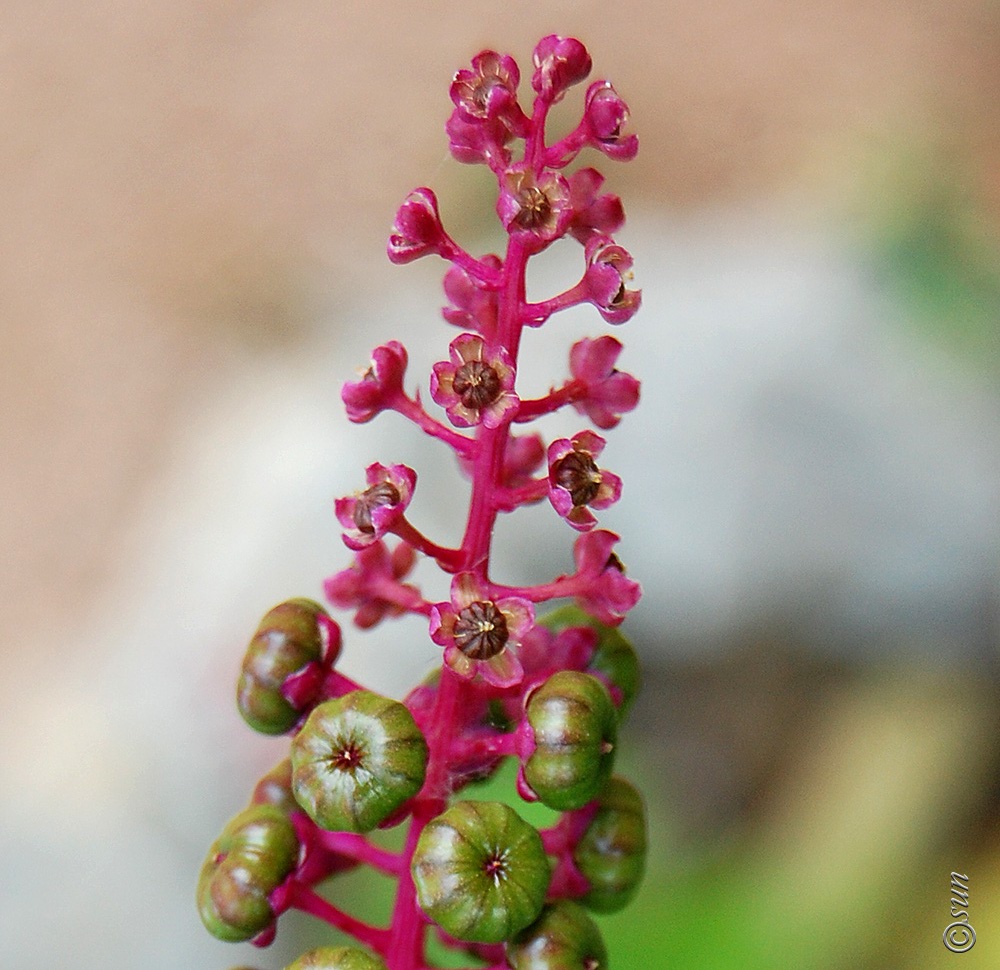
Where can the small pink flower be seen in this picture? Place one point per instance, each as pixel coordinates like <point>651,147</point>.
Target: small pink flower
<point>475,386</point>
<point>489,88</point>
<point>560,62</point>
<point>479,635</point>
<point>357,587</point>
<point>379,385</point>
<point>417,230</point>
<point>606,117</point>
<point>478,142</point>
<point>576,484</point>
<point>609,391</point>
<point>608,594</point>
<point>609,266</point>
<point>474,307</point>
<point>370,514</point>
<point>593,214</point>
<point>543,651</point>
<point>538,207</point>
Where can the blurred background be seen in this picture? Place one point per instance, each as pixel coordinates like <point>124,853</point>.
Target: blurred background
<point>195,201</point>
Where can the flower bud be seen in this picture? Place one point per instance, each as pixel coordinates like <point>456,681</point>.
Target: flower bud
<point>614,658</point>
<point>380,384</point>
<point>417,230</point>
<point>337,958</point>
<point>481,872</point>
<point>356,760</point>
<point>560,62</point>
<point>606,117</point>
<point>251,858</point>
<point>612,852</point>
<point>575,729</point>
<point>289,638</point>
<point>564,937</point>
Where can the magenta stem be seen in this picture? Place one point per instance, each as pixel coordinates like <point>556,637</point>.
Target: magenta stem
<point>448,559</point>
<point>413,410</point>
<point>303,898</point>
<point>536,407</point>
<point>357,847</point>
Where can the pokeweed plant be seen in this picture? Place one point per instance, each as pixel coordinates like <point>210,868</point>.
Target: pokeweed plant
<point>548,691</point>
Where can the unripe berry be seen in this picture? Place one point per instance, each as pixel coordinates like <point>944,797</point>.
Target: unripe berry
<point>336,958</point>
<point>288,639</point>
<point>356,760</point>
<point>612,852</point>
<point>251,858</point>
<point>481,872</point>
<point>563,938</point>
<point>575,729</point>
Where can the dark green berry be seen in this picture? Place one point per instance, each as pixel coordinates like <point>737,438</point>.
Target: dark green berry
<point>612,852</point>
<point>289,637</point>
<point>575,730</point>
<point>564,937</point>
<point>356,760</point>
<point>336,958</point>
<point>481,872</point>
<point>251,858</point>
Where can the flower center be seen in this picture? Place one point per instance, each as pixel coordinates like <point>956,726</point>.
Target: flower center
<point>384,493</point>
<point>579,475</point>
<point>476,384</point>
<point>480,631</point>
<point>536,209</point>
<point>348,758</point>
<point>495,867</point>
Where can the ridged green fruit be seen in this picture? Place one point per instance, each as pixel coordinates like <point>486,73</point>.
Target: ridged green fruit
<point>356,760</point>
<point>564,937</point>
<point>614,657</point>
<point>337,958</point>
<point>575,731</point>
<point>288,638</point>
<point>612,852</point>
<point>481,872</point>
<point>251,858</point>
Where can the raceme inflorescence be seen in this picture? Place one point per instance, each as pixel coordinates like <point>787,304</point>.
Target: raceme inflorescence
<point>548,691</point>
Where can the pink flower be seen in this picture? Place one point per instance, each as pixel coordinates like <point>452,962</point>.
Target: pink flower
<point>475,386</point>
<point>370,514</point>
<point>478,141</point>
<point>480,634</point>
<point>489,88</point>
<point>474,307</point>
<point>357,587</point>
<point>538,207</point>
<point>609,391</point>
<point>379,385</point>
<point>606,116</point>
<point>607,593</point>
<point>576,484</point>
<point>560,62</point>
<point>543,651</point>
<point>417,230</point>
<point>593,213</point>
<point>609,266</point>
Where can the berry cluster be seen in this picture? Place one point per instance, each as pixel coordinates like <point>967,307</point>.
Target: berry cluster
<point>549,691</point>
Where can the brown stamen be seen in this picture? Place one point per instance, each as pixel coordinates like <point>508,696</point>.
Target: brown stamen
<point>477,384</point>
<point>578,473</point>
<point>384,493</point>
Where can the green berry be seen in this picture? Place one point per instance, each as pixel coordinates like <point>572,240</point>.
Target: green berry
<point>481,872</point>
<point>336,958</point>
<point>275,788</point>
<point>612,852</point>
<point>575,729</point>
<point>251,858</point>
<point>564,937</point>
<point>288,638</point>
<point>614,657</point>
<point>356,760</point>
